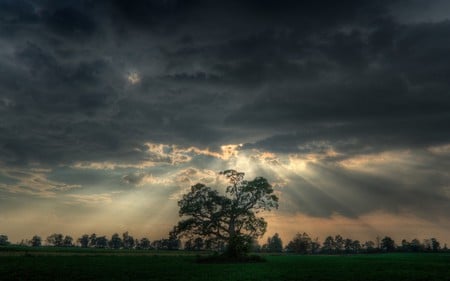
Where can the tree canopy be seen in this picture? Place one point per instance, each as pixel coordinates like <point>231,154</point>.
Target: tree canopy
<point>229,218</point>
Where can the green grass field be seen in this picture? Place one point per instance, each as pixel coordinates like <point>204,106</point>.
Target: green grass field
<point>79,264</point>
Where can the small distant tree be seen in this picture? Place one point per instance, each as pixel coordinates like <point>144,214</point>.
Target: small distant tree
<point>369,247</point>
<point>36,241</point>
<point>274,244</point>
<point>415,245</point>
<point>387,244</point>
<point>348,245</point>
<point>328,245</point>
<point>315,246</point>
<point>101,242</point>
<point>67,241</point>
<point>4,240</point>
<point>84,241</point>
<point>144,244</point>
<point>338,243</point>
<point>301,244</point>
<point>356,246</point>
<point>157,244</point>
<point>435,245</point>
<point>56,239</point>
<point>378,243</point>
<point>172,243</point>
<point>115,242</point>
<point>127,240</point>
<point>406,246</point>
<point>93,240</point>
<point>427,245</point>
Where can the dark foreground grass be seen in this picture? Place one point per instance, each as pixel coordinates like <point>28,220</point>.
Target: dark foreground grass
<point>106,266</point>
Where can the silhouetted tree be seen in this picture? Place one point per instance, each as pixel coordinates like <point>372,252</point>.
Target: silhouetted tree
<point>338,243</point>
<point>67,241</point>
<point>348,245</point>
<point>301,244</point>
<point>378,242</point>
<point>356,246</point>
<point>435,245</point>
<point>144,243</point>
<point>274,244</point>
<point>387,244</point>
<point>157,244</point>
<point>115,241</point>
<point>93,240</point>
<point>415,245</point>
<point>315,246</point>
<point>172,243</point>
<point>229,218</point>
<point>3,240</point>
<point>369,246</point>
<point>406,246</point>
<point>36,241</point>
<point>56,239</point>
<point>84,241</point>
<point>328,245</point>
<point>427,245</point>
<point>127,240</point>
<point>101,242</point>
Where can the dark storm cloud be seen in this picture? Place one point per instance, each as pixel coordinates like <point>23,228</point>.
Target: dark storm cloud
<point>93,81</point>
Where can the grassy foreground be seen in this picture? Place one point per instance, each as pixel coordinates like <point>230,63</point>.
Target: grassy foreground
<point>98,265</point>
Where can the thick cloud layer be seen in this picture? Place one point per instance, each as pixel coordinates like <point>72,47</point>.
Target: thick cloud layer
<point>91,85</point>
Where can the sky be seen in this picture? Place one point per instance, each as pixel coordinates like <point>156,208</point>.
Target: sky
<point>111,109</point>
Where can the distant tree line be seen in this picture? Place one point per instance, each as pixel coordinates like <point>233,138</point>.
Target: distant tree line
<point>124,241</point>
<point>301,243</point>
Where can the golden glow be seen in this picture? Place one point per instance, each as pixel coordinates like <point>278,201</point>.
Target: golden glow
<point>372,161</point>
<point>34,182</point>
<point>146,206</point>
<point>366,227</point>
<point>102,198</point>
<point>440,149</point>
<point>297,164</point>
<point>133,77</point>
<point>111,165</point>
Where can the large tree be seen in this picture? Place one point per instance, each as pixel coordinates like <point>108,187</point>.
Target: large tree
<point>228,218</point>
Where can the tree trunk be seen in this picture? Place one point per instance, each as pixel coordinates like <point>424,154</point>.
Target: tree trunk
<point>234,245</point>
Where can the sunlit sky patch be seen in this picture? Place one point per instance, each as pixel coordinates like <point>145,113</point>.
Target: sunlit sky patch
<point>111,110</point>
<point>133,77</point>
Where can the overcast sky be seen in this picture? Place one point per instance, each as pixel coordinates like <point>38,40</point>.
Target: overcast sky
<point>110,110</point>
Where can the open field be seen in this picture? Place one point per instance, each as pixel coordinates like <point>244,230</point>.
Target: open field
<point>79,264</point>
